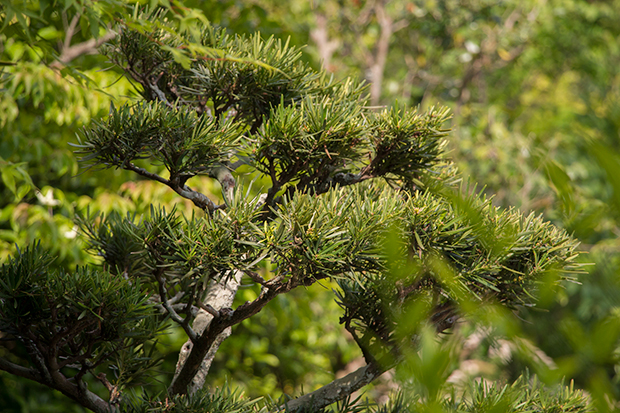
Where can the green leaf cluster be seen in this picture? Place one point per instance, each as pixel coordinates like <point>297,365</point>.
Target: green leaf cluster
<point>303,130</point>
<point>79,320</point>
<point>307,142</point>
<point>211,70</point>
<point>331,236</point>
<point>407,144</point>
<point>254,76</point>
<point>494,250</point>
<point>178,139</point>
<point>40,23</point>
<point>525,394</point>
<point>221,400</point>
<point>216,99</point>
<point>440,261</point>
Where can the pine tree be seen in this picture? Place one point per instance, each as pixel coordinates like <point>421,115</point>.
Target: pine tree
<point>314,183</point>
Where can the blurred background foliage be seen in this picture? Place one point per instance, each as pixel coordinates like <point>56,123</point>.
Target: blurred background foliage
<point>534,87</point>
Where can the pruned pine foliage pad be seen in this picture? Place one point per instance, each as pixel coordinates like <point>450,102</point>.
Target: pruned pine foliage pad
<point>180,140</point>
<point>222,400</point>
<point>497,258</point>
<point>524,395</point>
<point>89,314</point>
<point>302,129</point>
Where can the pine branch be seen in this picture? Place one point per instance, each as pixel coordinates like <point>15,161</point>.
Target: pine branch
<point>337,390</point>
<point>209,309</point>
<point>219,298</point>
<point>224,176</point>
<point>20,371</point>
<point>225,319</point>
<point>59,382</point>
<point>199,199</point>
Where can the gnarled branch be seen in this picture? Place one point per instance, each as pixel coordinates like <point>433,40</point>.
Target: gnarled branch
<point>195,353</point>
<point>337,390</point>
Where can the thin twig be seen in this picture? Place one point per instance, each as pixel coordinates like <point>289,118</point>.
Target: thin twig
<point>70,31</point>
<point>173,314</point>
<point>114,391</point>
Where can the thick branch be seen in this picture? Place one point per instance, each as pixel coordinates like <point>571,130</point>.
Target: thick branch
<point>201,375</point>
<point>225,319</point>
<point>345,179</point>
<point>209,309</point>
<point>115,394</point>
<point>224,176</point>
<point>82,395</point>
<point>337,390</point>
<point>254,276</point>
<point>200,200</point>
<point>158,92</point>
<point>20,371</point>
<point>219,299</point>
<point>59,382</point>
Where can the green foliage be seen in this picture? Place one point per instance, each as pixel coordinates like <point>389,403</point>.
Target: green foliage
<point>177,139</point>
<point>534,88</point>
<point>23,300</point>
<point>43,105</point>
<point>39,24</point>
<point>87,317</point>
<point>526,394</point>
<point>187,252</point>
<point>451,264</point>
<point>221,400</point>
<point>14,175</point>
<point>247,74</point>
<point>251,90</point>
<point>407,143</point>
<point>295,140</point>
<point>329,236</point>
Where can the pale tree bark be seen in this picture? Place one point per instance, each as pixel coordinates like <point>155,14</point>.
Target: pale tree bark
<point>88,47</point>
<point>220,296</point>
<point>70,52</point>
<point>376,61</point>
